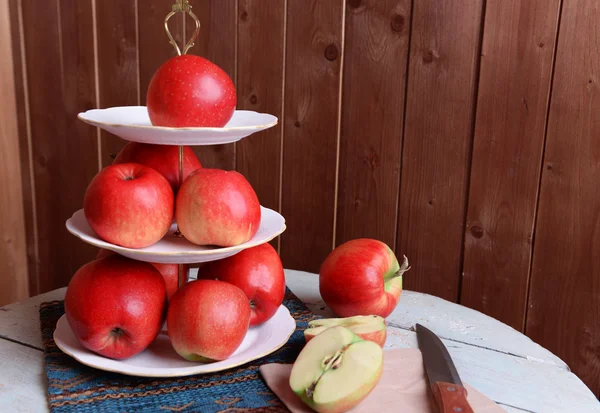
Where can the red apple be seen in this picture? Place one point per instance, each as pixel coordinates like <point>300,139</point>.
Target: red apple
<point>372,327</point>
<point>170,272</point>
<point>258,272</point>
<point>217,207</point>
<point>129,205</point>
<point>162,158</point>
<point>207,320</point>
<point>116,306</point>
<point>190,91</point>
<point>361,277</point>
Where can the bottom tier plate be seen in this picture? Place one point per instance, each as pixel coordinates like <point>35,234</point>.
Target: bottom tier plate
<point>160,360</point>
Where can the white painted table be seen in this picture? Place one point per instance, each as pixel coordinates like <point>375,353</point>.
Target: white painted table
<point>500,362</point>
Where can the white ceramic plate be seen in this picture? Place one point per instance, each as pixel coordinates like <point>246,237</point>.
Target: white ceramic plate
<point>132,123</point>
<point>160,360</point>
<point>175,250</point>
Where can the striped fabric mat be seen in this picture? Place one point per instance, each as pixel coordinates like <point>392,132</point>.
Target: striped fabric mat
<point>73,387</point>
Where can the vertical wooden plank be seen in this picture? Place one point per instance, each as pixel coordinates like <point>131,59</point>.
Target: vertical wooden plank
<point>14,284</point>
<point>22,105</point>
<point>154,46</point>
<point>118,68</point>
<point>312,88</point>
<point>519,37</point>
<point>375,61</point>
<point>259,87</point>
<point>217,43</point>
<point>442,76</point>
<point>79,94</point>
<point>59,44</point>
<point>564,298</point>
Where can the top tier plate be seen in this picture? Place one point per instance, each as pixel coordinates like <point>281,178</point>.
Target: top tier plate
<point>132,123</point>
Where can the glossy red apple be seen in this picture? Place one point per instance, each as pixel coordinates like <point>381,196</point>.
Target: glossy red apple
<point>190,91</point>
<point>170,272</point>
<point>162,158</point>
<point>129,205</point>
<point>361,277</point>
<point>217,207</point>
<point>116,306</point>
<point>207,320</point>
<point>258,272</point>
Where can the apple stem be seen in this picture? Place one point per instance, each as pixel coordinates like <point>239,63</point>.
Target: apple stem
<point>403,268</point>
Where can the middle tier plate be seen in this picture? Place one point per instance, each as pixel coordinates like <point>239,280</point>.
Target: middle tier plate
<point>175,250</point>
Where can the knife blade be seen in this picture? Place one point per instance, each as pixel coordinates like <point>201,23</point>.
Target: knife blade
<point>448,391</point>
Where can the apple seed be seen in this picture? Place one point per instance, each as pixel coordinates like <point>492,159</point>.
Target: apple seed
<point>329,362</point>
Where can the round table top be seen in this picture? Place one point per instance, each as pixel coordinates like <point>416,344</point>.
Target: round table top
<point>500,362</point>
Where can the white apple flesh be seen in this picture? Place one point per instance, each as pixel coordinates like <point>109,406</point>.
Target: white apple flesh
<point>371,327</point>
<point>336,370</point>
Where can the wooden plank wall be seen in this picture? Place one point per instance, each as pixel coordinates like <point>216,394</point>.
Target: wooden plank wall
<point>509,137</point>
<point>313,65</point>
<point>375,62</point>
<point>439,114</point>
<point>463,134</point>
<point>565,280</point>
<point>14,283</point>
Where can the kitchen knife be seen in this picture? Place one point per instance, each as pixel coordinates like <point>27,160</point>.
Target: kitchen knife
<point>446,386</point>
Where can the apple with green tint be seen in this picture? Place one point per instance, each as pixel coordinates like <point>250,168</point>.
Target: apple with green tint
<point>336,370</point>
<point>362,277</point>
<point>217,207</point>
<point>371,327</point>
<point>207,320</point>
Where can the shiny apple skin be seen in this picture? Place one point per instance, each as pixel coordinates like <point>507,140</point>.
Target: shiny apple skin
<point>116,292</point>
<point>258,271</point>
<point>162,158</point>
<point>357,278</point>
<point>129,205</point>
<point>217,207</point>
<point>207,320</point>
<point>170,272</point>
<point>190,91</point>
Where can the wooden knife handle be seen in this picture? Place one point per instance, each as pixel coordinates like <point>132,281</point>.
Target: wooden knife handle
<point>451,398</point>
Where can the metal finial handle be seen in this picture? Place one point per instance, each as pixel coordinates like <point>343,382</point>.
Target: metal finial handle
<point>182,6</point>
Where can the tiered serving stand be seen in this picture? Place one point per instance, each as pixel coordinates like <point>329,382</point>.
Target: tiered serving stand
<point>159,359</point>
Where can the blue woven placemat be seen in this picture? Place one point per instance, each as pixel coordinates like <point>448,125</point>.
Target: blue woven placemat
<point>74,387</point>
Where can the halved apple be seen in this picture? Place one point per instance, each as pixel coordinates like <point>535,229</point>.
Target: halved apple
<point>336,370</point>
<point>367,327</point>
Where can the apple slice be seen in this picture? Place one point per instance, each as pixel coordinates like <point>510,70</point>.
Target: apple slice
<point>336,371</point>
<point>370,327</point>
